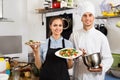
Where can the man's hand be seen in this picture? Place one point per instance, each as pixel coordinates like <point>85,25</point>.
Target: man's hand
<point>96,69</point>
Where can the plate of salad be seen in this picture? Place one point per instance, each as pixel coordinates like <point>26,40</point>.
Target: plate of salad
<point>32,42</point>
<point>68,53</point>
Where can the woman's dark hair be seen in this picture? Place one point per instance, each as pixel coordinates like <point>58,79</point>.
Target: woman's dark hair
<point>51,21</point>
<point>54,18</point>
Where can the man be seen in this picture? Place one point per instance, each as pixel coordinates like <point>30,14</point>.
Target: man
<point>90,41</point>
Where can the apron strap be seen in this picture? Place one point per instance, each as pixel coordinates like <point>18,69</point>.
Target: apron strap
<point>49,43</point>
<point>63,43</point>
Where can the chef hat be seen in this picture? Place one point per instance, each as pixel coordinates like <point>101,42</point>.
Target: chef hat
<point>86,6</point>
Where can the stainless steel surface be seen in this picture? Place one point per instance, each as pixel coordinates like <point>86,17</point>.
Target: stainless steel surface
<point>115,73</point>
<point>92,60</point>
<point>2,18</point>
<point>10,44</point>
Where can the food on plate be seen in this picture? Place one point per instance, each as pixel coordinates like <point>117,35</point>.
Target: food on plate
<point>22,64</point>
<point>32,42</point>
<point>27,74</point>
<point>68,52</point>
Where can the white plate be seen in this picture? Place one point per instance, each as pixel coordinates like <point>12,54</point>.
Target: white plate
<point>71,57</point>
<point>33,43</point>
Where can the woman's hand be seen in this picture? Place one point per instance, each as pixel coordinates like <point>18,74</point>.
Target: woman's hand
<point>35,47</point>
<point>96,69</point>
<point>70,63</point>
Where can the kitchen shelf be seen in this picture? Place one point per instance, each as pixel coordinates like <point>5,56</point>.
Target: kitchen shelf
<point>105,17</point>
<point>51,10</point>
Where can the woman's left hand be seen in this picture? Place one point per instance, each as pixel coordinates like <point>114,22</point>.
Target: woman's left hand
<point>70,60</point>
<point>70,63</point>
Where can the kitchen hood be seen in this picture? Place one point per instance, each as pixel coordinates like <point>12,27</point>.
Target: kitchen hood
<point>2,19</point>
<point>5,20</point>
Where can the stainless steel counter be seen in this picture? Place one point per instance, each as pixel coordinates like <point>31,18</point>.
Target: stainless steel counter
<point>32,77</point>
<point>22,75</point>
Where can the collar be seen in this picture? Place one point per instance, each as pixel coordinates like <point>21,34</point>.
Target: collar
<point>52,39</point>
<point>88,31</point>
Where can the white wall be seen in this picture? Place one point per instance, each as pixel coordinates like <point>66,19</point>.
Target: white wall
<point>114,34</point>
<point>15,11</point>
<point>26,22</point>
<point>36,30</point>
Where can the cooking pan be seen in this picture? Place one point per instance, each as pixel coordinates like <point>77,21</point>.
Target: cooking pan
<point>101,28</point>
<point>67,19</point>
<point>66,23</point>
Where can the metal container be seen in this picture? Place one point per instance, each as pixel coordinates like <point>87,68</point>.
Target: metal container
<point>115,72</point>
<point>92,60</point>
<point>2,65</point>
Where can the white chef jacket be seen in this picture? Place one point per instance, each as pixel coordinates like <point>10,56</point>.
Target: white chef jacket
<point>92,41</point>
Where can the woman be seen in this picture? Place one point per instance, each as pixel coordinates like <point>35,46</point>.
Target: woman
<point>52,67</point>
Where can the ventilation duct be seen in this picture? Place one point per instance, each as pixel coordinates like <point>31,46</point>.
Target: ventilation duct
<point>3,19</point>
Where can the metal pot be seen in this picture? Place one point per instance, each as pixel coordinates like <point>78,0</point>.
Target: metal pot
<point>101,28</point>
<point>66,23</point>
<point>67,20</point>
<point>92,60</point>
<point>115,72</point>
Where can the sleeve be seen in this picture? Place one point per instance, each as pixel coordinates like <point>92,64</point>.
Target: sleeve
<point>72,39</point>
<point>107,58</point>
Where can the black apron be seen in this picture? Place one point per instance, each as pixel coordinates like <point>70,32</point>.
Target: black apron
<point>54,68</point>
